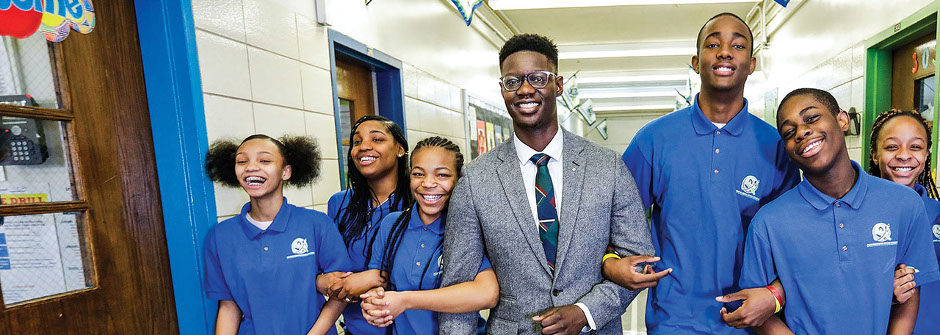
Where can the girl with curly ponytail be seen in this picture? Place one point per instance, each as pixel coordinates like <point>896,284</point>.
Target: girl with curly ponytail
<point>262,264</point>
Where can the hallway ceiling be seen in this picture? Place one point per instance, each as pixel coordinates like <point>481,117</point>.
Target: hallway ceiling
<point>629,58</point>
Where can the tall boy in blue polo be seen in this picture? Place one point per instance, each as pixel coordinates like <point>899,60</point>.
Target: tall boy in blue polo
<point>706,170</point>
<point>835,240</point>
<point>275,269</point>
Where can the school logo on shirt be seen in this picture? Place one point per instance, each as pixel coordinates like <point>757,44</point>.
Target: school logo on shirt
<point>749,188</point>
<point>881,233</point>
<point>299,246</point>
<point>936,233</point>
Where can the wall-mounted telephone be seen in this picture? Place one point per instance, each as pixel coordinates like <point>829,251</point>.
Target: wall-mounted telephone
<point>22,141</point>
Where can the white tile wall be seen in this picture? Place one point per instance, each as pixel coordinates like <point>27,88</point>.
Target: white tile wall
<point>223,17</point>
<point>275,79</point>
<point>231,118</point>
<point>223,65</point>
<point>313,43</point>
<point>317,89</point>
<point>271,27</point>
<point>322,127</point>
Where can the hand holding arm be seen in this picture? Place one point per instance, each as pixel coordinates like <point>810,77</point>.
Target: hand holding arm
<point>623,272</point>
<point>326,280</point>
<point>356,284</point>
<point>759,305</point>
<point>569,319</point>
<point>903,283</point>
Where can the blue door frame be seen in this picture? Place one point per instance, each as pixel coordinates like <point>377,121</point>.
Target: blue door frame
<point>174,96</point>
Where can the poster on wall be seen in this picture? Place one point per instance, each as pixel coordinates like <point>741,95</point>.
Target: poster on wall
<point>498,133</point>
<point>490,137</point>
<point>54,18</point>
<point>487,126</point>
<point>481,137</point>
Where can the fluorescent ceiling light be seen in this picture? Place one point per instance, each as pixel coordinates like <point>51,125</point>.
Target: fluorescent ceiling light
<point>541,4</point>
<point>633,108</point>
<point>631,79</point>
<point>625,94</point>
<point>643,49</point>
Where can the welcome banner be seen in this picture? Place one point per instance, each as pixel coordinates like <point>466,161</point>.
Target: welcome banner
<point>54,18</point>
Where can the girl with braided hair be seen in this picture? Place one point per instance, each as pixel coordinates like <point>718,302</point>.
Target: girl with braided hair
<point>412,243</point>
<point>900,152</point>
<point>377,172</point>
<point>261,264</point>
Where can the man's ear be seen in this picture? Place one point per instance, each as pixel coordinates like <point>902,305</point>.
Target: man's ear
<point>560,82</point>
<point>695,64</point>
<point>843,118</point>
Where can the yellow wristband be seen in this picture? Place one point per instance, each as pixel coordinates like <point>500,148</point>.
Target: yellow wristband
<point>609,256</point>
<point>777,306</point>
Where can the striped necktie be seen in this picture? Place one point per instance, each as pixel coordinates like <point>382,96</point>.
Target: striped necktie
<point>545,204</point>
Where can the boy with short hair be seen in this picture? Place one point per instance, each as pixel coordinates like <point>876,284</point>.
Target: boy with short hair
<point>835,240</point>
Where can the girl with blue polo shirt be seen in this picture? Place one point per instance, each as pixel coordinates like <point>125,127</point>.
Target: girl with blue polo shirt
<point>412,243</point>
<point>377,171</point>
<point>261,264</point>
<point>900,152</point>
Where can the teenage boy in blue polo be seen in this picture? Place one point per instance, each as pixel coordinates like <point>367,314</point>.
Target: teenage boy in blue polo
<point>705,170</point>
<point>834,241</point>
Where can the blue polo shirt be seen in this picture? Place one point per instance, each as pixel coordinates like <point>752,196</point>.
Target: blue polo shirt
<point>928,315</point>
<point>271,274</point>
<point>704,185</point>
<point>358,253</point>
<point>836,257</point>
<point>418,256</point>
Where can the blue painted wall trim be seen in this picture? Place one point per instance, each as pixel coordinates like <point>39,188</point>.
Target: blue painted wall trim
<point>177,117</point>
<point>388,82</point>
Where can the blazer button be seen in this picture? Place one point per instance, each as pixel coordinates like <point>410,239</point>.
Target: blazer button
<point>555,292</point>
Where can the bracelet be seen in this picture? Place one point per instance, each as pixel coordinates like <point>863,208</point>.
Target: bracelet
<point>778,300</point>
<point>611,255</point>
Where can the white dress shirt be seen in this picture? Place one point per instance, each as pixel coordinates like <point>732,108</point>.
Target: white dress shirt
<point>556,170</point>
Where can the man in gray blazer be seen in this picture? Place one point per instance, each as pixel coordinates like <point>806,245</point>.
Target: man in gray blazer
<point>546,253</point>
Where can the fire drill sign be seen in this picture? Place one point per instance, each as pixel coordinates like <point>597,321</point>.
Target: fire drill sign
<point>54,18</point>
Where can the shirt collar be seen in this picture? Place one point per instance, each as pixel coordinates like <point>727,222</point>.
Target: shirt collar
<point>279,225</point>
<point>704,126</point>
<point>436,227</point>
<point>854,198</point>
<point>920,189</point>
<point>553,149</point>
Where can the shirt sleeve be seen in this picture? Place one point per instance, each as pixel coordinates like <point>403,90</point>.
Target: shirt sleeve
<point>917,248</point>
<point>332,251</point>
<point>378,246</point>
<point>216,288</point>
<point>788,174</point>
<point>758,269</point>
<point>641,169</point>
<point>485,264</point>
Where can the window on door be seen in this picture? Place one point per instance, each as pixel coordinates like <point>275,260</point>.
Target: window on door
<point>43,212</point>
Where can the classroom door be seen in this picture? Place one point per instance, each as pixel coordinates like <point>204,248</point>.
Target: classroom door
<point>82,242</point>
<point>912,84</point>
<point>356,94</point>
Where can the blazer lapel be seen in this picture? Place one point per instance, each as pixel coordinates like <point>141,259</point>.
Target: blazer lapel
<point>510,177</point>
<point>573,178</point>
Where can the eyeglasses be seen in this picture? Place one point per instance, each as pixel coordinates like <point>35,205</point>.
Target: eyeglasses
<point>538,79</point>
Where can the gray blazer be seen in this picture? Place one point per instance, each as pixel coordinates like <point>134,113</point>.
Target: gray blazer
<point>489,212</point>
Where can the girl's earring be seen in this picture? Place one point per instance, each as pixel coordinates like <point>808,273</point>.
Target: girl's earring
<point>399,155</point>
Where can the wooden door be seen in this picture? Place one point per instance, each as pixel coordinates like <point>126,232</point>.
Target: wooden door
<point>912,63</point>
<point>355,92</point>
<point>97,129</point>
